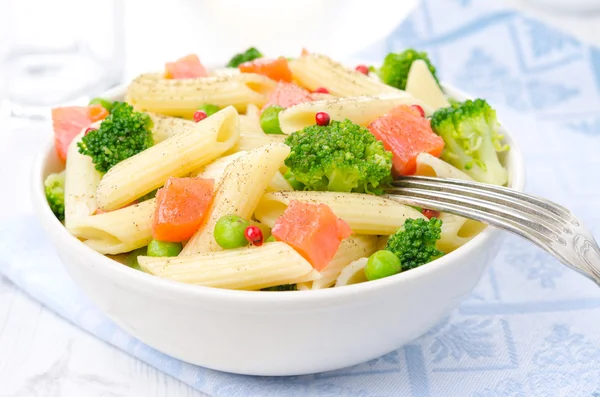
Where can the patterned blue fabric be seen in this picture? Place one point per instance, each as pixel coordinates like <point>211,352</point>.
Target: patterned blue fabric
<point>531,328</point>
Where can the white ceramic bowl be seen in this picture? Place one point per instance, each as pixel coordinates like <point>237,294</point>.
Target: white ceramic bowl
<point>283,333</point>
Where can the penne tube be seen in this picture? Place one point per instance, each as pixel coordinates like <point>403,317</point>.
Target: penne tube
<point>279,184</point>
<point>166,126</point>
<point>222,72</point>
<point>360,110</point>
<point>250,122</point>
<point>365,213</point>
<point>81,182</point>
<point>181,98</point>
<point>117,231</point>
<point>421,84</point>
<point>428,165</point>
<point>313,71</point>
<point>216,170</point>
<point>249,268</point>
<point>253,111</point>
<point>243,184</point>
<point>176,156</point>
<point>456,230</point>
<point>354,273</point>
<point>381,243</point>
<point>253,140</point>
<point>304,286</point>
<point>351,249</point>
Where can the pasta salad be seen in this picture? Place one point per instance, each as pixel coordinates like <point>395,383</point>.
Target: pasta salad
<point>271,174</point>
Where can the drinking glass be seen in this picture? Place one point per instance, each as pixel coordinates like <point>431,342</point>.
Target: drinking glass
<point>58,52</point>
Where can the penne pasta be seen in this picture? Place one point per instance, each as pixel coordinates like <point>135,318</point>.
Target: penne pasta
<point>428,165</point>
<point>351,249</point>
<point>313,71</point>
<point>365,213</point>
<point>240,190</point>
<point>360,110</point>
<point>279,184</point>
<point>165,126</point>
<point>181,98</point>
<point>421,84</point>
<point>381,242</point>
<point>456,230</point>
<point>174,157</point>
<point>250,122</point>
<point>253,140</point>
<point>81,182</point>
<point>223,72</point>
<point>117,231</point>
<point>249,268</point>
<point>304,286</point>
<point>354,273</point>
<point>216,169</point>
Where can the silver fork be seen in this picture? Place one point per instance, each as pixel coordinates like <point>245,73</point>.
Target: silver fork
<point>547,224</point>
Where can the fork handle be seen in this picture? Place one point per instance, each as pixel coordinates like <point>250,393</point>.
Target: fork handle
<point>589,254</point>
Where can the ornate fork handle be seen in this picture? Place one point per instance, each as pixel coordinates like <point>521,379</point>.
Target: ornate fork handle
<point>588,253</point>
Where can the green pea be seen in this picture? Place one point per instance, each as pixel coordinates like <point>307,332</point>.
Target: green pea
<point>106,104</point>
<point>291,178</point>
<point>163,248</point>
<point>229,231</point>
<point>209,109</point>
<point>132,258</point>
<point>271,239</point>
<point>382,264</point>
<point>269,120</point>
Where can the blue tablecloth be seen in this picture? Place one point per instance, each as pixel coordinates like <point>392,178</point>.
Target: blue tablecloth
<point>531,328</point>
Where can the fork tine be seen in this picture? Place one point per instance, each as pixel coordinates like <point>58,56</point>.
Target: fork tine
<point>533,218</point>
<point>495,197</point>
<point>478,215</point>
<point>498,210</point>
<point>543,203</point>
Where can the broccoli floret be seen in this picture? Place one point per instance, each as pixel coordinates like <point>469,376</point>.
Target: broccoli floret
<point>54,187</point>
<point>395,67</point>
<point>249,55</point>
<point>289,176</point>
<point>414,242</point>
<point>339,157</point>
<point>121,135</point>
<point>283,287</point>
<point>470,131</point>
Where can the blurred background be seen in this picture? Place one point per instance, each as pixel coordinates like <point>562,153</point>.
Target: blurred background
<point>66,51</point>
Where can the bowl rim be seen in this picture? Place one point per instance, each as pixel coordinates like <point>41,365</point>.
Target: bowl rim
<point>161,285</point>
